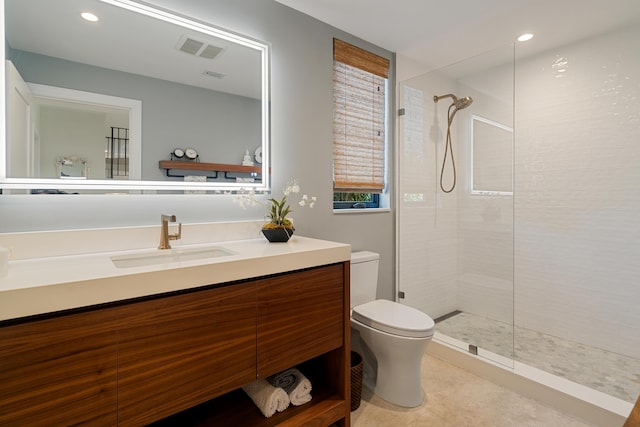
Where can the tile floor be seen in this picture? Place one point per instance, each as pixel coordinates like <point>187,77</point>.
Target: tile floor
<point>455,397</point>
<point>601,370</point>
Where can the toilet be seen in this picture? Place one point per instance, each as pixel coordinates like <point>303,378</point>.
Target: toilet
<point>391,337</point>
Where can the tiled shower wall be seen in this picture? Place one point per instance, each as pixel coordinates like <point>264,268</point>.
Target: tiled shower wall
<point>566,247</point>
<point>577,203</point>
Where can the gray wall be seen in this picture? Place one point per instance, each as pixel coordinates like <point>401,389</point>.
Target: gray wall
<point>301,117</point>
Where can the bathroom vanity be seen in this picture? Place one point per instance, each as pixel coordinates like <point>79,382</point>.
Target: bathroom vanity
<point>137,344</point>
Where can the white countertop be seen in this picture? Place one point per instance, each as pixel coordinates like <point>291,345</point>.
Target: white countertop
<point>48,284</point>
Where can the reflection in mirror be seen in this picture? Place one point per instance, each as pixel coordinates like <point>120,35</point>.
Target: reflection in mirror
<point>103,128</point>
<point>125,95</point>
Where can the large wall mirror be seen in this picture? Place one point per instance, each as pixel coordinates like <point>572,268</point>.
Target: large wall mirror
<point>140,99</point>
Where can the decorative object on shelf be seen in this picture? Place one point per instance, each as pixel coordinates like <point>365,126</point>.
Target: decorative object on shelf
<point>258,155</point>
<point>185,155</point>
<point>177,153</point>
<point>246,161</point>
<point>277,211</point>
<point>72,166</point>
<point>191,154</point>
<point>246,180</point>
<point>294,383</point>
<point>267,398</point>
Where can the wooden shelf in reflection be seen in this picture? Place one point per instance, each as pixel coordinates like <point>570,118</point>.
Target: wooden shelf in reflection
<point>215,168</point>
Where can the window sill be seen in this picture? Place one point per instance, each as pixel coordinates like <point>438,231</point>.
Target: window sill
<point>361,210</point>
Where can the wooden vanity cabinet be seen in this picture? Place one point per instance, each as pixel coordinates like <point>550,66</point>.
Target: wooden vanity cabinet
<point>59,371</point>
<point>300,316</point>
<point>302,321</point>
<point>178,351</point>
<point>181,359</point>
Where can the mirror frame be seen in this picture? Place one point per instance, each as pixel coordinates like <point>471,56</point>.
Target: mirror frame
<point>133,186</point>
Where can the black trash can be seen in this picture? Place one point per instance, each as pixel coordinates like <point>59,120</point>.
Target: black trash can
<point>356,380</point>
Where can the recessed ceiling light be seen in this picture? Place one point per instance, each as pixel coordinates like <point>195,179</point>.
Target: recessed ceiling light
<point>525,37</point>
<point>88,16</point>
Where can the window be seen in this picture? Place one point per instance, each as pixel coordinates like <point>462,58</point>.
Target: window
<point>345,200</point>
<point>359,126</point>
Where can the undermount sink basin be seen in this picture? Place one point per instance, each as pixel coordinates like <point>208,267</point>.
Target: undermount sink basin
<point>169,255</point>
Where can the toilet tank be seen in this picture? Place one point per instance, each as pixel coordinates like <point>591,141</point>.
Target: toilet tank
<point>364,277</point>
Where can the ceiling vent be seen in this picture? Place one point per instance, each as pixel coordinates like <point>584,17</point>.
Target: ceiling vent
<point>198,48</point>
<point>210,51</point>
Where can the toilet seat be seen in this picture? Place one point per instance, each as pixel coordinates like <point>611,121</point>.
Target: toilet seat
<point>394,318</point>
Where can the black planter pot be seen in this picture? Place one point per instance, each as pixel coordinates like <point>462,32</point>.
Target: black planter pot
<point>278,234</point>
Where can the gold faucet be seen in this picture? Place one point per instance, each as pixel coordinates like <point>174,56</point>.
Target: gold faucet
<point>164,231</point>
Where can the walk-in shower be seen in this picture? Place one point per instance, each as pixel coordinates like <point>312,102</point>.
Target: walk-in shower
<point>533,258</point>
<point>456,105</point>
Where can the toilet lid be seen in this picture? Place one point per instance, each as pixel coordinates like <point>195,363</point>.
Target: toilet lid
<point>394,318</point>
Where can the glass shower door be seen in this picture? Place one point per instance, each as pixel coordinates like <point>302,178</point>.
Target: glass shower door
<point>455,249</point>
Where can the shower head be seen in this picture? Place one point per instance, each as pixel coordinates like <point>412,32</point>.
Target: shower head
<point>458,103</point>
<point>462,102</point>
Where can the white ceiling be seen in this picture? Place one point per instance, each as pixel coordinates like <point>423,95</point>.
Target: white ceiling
<point>436,33</point>
<point>128,42</point>
<point>431,33</point>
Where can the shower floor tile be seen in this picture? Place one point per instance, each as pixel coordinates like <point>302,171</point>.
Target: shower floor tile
<point>601,370</point>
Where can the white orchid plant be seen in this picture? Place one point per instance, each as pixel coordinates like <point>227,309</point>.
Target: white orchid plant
<point>277,210</point>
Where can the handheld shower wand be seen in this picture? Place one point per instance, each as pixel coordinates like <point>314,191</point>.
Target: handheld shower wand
<point>456,105</point>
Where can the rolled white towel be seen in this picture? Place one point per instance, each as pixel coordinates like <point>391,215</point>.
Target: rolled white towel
<point>267,398</point>
<point>294,383</point>
<point>301,393</point>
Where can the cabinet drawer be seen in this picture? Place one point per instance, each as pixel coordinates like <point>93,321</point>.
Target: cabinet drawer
<point>179,351</point>
<point>300,316</point>
<point>59,371</point>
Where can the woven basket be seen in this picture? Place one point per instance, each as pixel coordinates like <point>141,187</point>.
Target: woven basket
<point>356,380</point>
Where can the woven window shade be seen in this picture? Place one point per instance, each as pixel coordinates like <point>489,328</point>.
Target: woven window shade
<point>359,79</point>
<point>360,58</point>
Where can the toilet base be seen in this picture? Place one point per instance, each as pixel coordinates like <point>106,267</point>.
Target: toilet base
<point>397,377</point>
